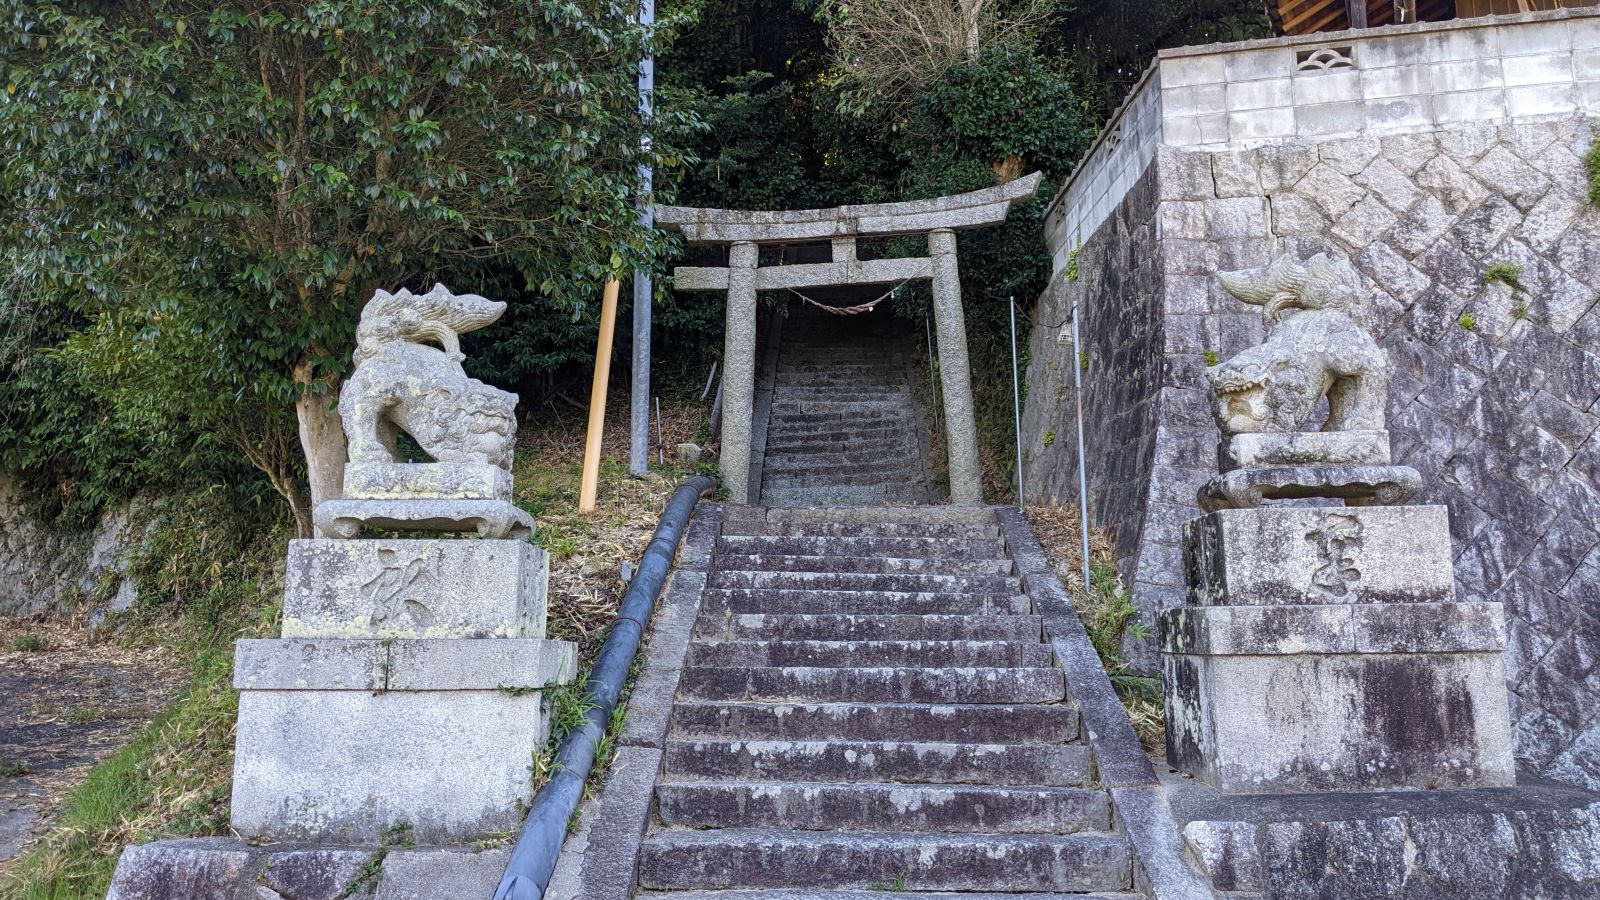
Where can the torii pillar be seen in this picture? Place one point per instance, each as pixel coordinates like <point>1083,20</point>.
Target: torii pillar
<point>743,277</point>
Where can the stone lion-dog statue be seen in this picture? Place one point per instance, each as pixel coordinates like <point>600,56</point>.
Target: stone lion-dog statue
<point>1316,346</point>
<point>401,382</point>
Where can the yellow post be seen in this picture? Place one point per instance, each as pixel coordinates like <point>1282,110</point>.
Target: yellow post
<point>597,400</point>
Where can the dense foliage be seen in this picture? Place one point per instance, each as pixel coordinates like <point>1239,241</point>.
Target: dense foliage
<point>215,189</point>
<point>204,193</point>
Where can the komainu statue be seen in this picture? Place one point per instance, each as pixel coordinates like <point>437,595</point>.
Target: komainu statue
<point>402,383</point>
<point>1316,347</point>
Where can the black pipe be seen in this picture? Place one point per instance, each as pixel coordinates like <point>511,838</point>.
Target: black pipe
<point>533,859</point>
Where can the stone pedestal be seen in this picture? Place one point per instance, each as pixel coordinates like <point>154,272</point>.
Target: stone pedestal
<point>1324,650</point>
<point>406,689</point>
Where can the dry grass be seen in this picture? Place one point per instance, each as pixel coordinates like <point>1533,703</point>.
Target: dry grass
<point>587,550</point>
<point>1105,610</point>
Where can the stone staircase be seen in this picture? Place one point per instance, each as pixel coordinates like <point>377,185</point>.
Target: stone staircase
<point>845,427</point>
<point>868,710</point>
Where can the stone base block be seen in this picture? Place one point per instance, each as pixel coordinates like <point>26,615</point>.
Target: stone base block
<point>1355,485</point>
<point>495,519</point>
<point>415,589</point>
<point>1286,555</point>
<point>339,740</point>
<point>1337,697</point>
<point>426,481</point>
<point>231,869</point>
<point>1533,840</point>
<point>1300,448</point>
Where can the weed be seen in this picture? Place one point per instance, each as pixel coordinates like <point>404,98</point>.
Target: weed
<point>522,691</point>
<point>84,714</point>
<point>1212,358</point>
<point>1071,272</point>
<point>1468,320</point>
<point>30,643</point>
<point>1083,360</point>
<point>14,768</point>
<point>1591,164</point>
<point>1519,308</point>
<point>1049,436</point>
<point>897,883</point>
<point>1508,274</point>
<point>396,835</point>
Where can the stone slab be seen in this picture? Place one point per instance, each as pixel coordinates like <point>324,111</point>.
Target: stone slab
<point>339,664</point>
<point>1328,722</point>
<point>415,589</point>
<point>1359,484</point>
<point>341,766</point>
<point>228,868</point>
<point>1306,448</point>
<point>491,519</point>
<point>1334,628</point>
<point>1536,839</point>
<point>426,481</point>
<point>1294,555</point>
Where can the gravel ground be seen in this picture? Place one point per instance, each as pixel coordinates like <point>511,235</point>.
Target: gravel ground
<point>64,708</point>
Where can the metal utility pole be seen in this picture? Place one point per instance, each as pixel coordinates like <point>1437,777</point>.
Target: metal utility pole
<point>643,289</point>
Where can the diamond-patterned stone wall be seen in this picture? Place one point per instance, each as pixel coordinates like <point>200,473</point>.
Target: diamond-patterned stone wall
<point>1496,394</point>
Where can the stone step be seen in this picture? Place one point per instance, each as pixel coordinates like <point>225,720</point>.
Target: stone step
<point>869,628</point>
<point>872,894</point>
<point>865,807</point>
<point>1042,765</point>
<point>999,724</point>
<point>836,428</point>
<point>912,530</point>
<point>864,581</point>
<point>899,445</point>
<point>903,547</point>
<point>928,515</point>
<point>790,494</point>
<point>720,602</point>
<point>837,383</point>
<point>918,861</point>
<point>804,465</point>
<point>874,684</point>
<point>877,893</point>
<point>863,353</point>
<point>784,409</point>
<point>863,565</point>
<point>875,654</point>
<point>795,473</point>
<point>784,421</point>
<point>854,393</point>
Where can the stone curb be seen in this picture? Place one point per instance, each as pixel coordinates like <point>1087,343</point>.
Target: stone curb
<point>1162,868</point>
<point>599,861</point>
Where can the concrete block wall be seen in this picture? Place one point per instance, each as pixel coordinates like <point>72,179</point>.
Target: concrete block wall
<point>1496,397</point>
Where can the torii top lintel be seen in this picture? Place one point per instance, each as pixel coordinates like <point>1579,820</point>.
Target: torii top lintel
<point>970,210</point>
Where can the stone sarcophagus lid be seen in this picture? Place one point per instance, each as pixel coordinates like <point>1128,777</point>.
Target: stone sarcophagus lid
<point>1323,646</point>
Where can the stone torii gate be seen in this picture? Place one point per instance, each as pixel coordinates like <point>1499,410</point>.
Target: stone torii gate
<point>744,231</point>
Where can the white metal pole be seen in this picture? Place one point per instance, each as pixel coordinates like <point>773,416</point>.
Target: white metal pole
<point>1083,478</point>
<point>643,288</point>
<point>1016,398</point>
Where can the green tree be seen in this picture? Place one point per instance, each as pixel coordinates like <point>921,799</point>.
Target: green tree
<point>217,188</point>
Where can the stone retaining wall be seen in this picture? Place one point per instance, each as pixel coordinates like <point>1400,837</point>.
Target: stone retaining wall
<point>43,567</point>
<point>1496,396</point>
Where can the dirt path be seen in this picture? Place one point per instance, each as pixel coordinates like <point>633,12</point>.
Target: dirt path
<point>68,698</point>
